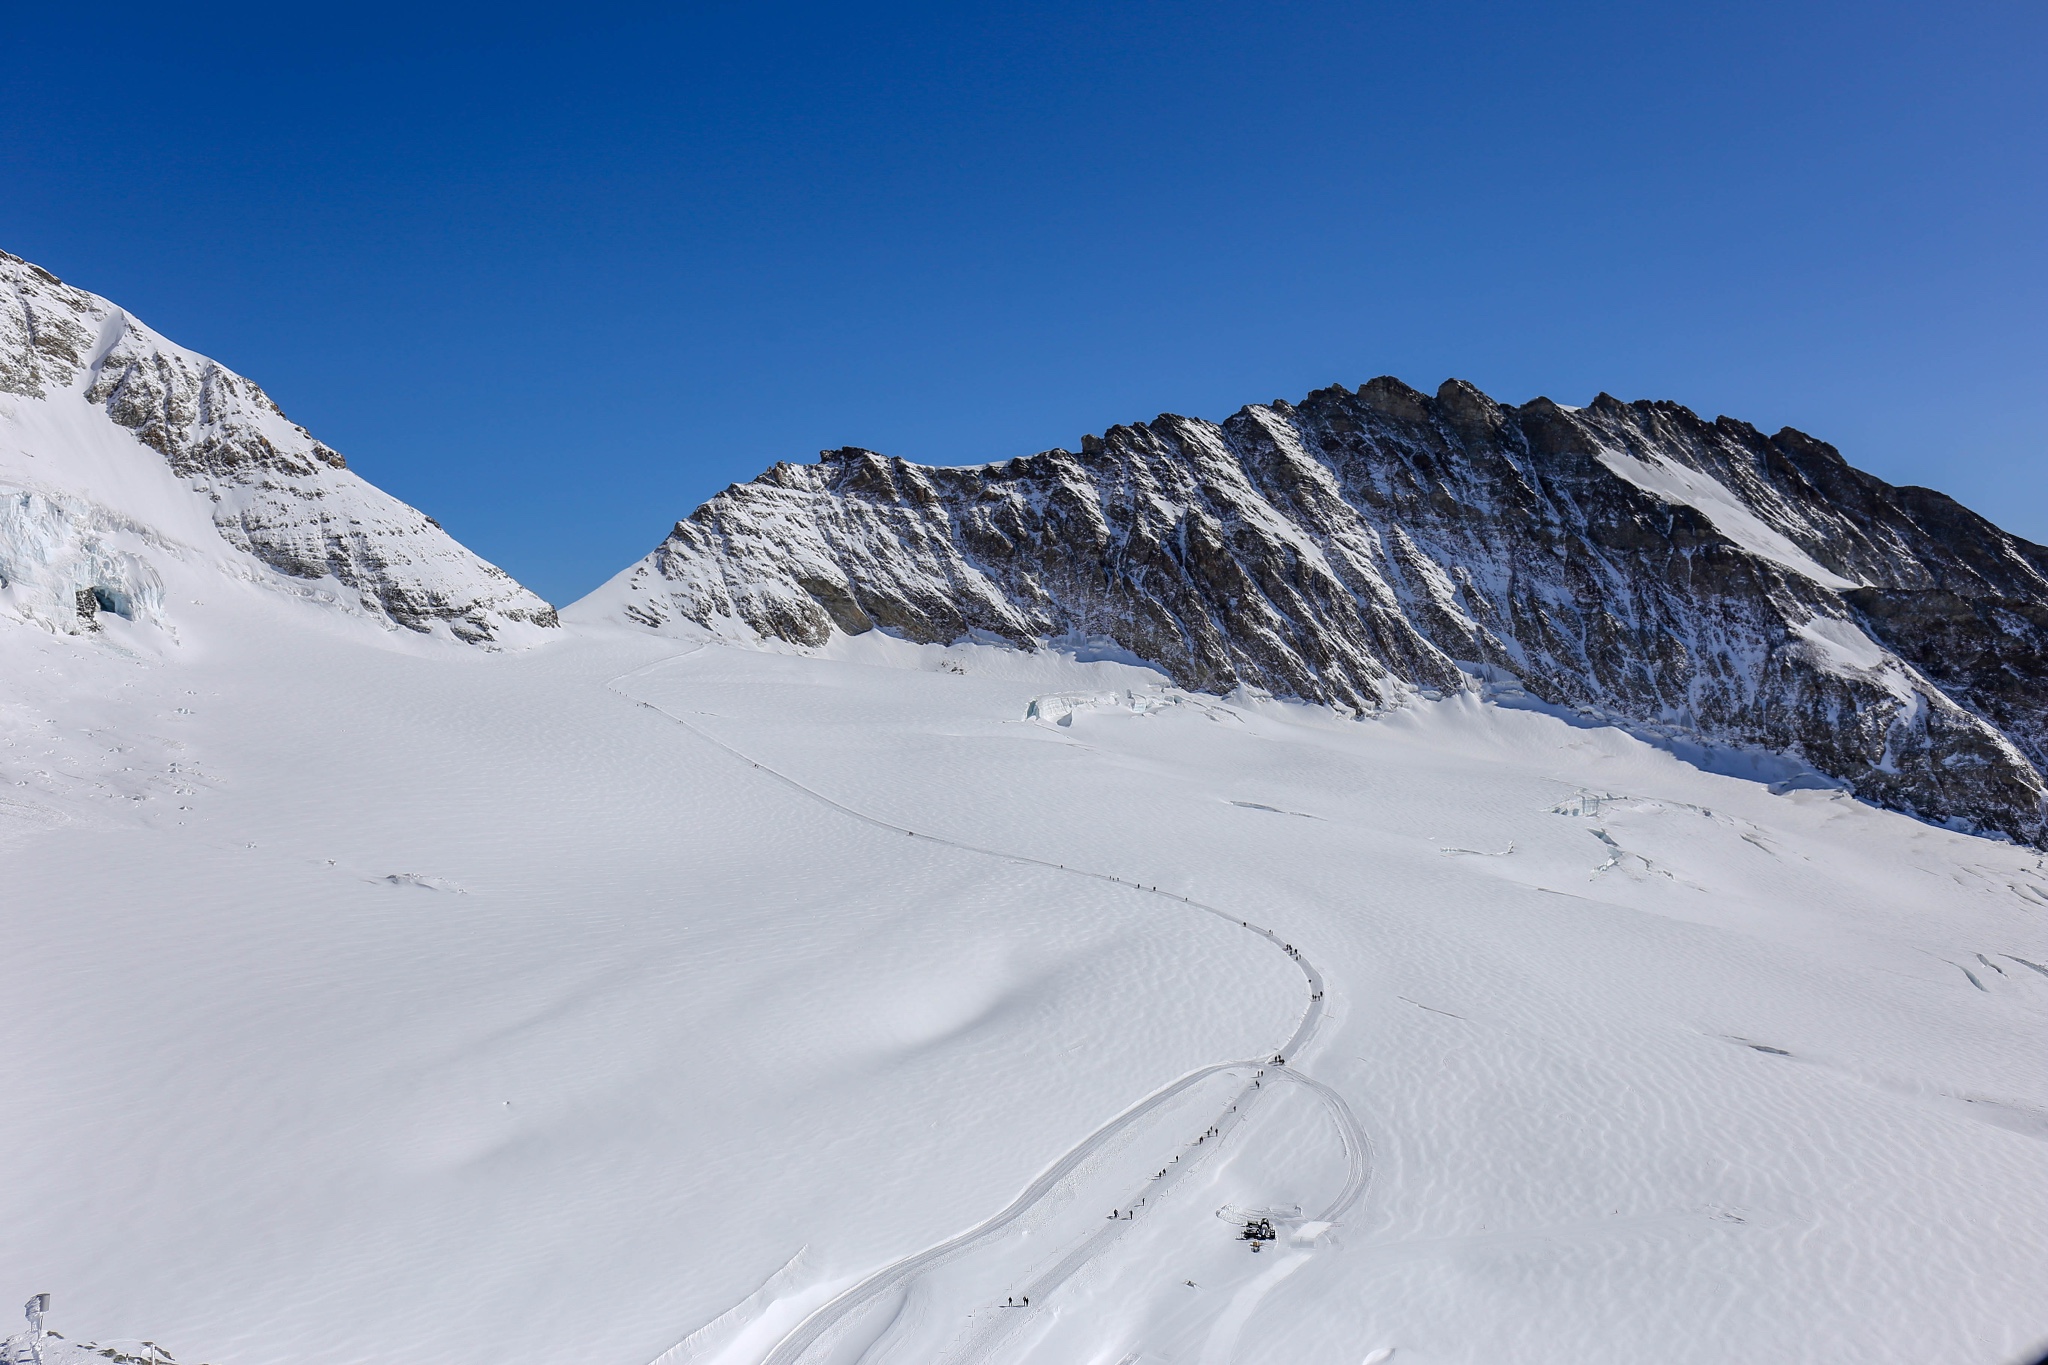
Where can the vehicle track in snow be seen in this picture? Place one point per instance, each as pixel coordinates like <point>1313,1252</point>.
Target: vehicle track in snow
<point>899,1273</point>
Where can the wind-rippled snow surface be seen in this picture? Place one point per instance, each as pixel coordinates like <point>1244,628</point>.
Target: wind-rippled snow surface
<point>381,999</point>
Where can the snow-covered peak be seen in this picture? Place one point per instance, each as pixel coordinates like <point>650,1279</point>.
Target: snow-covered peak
<point>1628,560</point>
<point>120,449</point>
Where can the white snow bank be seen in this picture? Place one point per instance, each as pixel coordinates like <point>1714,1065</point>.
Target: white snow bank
<point>1731,517</point>
<point>1842,647</point>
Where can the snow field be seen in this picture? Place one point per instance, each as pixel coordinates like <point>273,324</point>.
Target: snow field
<point>667,1027</point>
<point>352,969</point>
<point>1575,1140</point>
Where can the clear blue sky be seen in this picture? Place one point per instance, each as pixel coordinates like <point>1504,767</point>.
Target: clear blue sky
<point>558,275</point>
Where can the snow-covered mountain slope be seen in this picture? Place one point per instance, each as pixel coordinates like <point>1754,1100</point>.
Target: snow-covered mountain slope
<point>120,451</point>
<point>629,1000</point>
<point>1631,560</point>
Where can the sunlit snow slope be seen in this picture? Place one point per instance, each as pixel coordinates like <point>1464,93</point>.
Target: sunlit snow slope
<point>476,1008</point>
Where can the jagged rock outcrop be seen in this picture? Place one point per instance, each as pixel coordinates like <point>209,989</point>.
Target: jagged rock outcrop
<point>274,492</point>
<point>1631,559</point>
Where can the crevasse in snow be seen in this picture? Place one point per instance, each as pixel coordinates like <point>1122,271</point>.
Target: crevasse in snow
<point>53,549</point>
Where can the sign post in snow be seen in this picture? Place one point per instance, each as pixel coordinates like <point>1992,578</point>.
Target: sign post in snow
<point>30,1349</point>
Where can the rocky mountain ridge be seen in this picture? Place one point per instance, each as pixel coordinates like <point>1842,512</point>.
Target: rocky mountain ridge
<point>272,491</point>
<point>1628,559</point>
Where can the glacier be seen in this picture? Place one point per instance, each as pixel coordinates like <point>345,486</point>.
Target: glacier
<point>400,971</point>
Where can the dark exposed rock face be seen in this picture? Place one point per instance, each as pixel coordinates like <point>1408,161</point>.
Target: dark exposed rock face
<point>1631,559</point>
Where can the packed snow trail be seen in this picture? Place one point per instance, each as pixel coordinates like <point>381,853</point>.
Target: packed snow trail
<point>796,1343</point>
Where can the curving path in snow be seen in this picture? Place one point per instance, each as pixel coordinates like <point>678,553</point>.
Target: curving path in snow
<point>821,1320</point>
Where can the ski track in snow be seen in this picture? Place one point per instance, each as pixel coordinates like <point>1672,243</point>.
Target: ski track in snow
<point>846,1305</point>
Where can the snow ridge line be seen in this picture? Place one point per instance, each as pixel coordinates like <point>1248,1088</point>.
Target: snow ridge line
<point>1357,1147</point>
